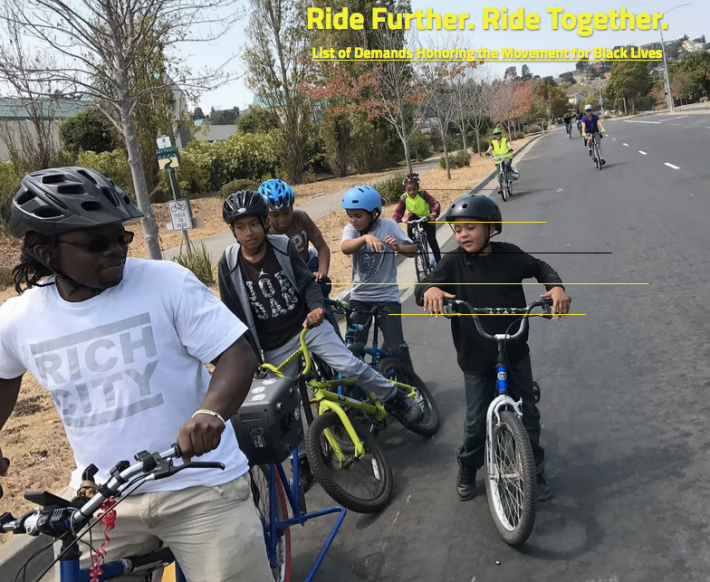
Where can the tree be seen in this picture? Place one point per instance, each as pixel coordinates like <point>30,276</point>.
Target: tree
<point>581,65</point>
<point>88,130</point>
<point>257,120</point>
<point>525,74</point>
<point>465,89</point>
<point>276,71</point>
<point>568,78</point>
<point>198,114</point>
<point>30,143</point>
<point>629,80</point>
<point>103,44</point>
<point>400,96</point>
<point>550,98</point>
<point>695,68</point>
<point>510,73</point>
<point>502,102</point>
<point>224,116</point>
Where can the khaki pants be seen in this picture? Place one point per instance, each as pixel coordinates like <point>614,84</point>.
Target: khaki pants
<point>214,532</point>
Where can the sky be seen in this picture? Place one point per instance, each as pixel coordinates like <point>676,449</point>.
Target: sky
<point>693,20</point>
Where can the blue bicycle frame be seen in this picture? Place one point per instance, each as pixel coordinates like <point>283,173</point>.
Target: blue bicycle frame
<point>70,571</point>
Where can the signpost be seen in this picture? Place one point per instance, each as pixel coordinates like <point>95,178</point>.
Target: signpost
<point>180,211</point>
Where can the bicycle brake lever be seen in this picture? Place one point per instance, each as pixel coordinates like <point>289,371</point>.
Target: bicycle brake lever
<point>169,469</point>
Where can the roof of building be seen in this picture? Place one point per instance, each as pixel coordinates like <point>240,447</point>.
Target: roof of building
<point>15,108</point>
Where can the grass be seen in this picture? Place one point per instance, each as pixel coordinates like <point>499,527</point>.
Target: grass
<point>199,262</point>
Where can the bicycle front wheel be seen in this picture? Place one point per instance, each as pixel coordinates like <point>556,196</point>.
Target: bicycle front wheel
<point>394,369</point>
<point>511,482</point>
<point>281,569</point>
<point>503,189</point>
<point>422,265</point>
<point>371,476</point>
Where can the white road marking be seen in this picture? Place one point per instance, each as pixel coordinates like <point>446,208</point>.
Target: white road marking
<point>613,138</point>
<point>681,117</point>
<point>640,121</point>
<point>642,153</point>
<point>627,145</point>
<point>672,166</point>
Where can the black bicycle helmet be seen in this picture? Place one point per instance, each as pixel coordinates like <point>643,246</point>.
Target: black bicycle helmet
<point>476,207</point>
<point>244,203</point>
<point>58,200</point>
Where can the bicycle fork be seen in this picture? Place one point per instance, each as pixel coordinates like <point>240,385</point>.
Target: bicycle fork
<point>500,402</point>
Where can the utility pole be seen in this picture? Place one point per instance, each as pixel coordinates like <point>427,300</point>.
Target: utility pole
<point>665,62</point>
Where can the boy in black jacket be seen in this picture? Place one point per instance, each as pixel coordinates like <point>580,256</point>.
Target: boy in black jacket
<point>477,260</point>
<point>265,282</point>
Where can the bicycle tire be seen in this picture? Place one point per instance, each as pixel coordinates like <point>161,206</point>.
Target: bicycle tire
<point>422,266</point>
<point>503,190</point>
<point>514,536</point>
<point>406,375</point>
<point>382,496</point>
<point>282,573</point>
<point>509,187</point>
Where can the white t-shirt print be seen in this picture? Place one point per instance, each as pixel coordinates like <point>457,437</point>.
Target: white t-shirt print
<point>125,368</point>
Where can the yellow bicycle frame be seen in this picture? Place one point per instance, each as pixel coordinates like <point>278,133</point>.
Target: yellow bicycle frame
<point>332,401</point>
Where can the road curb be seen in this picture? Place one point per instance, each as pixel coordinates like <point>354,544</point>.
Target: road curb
<point>399,259</point>
<point>17,550</point>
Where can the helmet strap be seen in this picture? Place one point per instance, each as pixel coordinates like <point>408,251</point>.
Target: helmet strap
<point>374,215</point>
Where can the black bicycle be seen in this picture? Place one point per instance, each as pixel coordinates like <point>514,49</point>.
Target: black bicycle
<point>424,261</point>
<point>505,181</point>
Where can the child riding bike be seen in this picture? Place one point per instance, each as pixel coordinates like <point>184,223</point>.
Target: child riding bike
<point>300,228</point>
<point>466,273</point>
<point>369,238</point>
<point>591,124</point>
<point>502,154</point>
<point>419,204</point>
<point>264,281</point>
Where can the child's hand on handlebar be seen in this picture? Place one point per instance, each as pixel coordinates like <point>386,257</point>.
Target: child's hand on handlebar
<point>560,302</point>
<point>434,300</point>
<point>314,318</point>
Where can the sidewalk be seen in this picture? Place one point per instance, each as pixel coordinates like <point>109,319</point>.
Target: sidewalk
<point>316,207</point>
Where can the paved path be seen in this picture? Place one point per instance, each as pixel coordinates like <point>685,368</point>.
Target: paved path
<point>315,207</point>
<point>629,467</point>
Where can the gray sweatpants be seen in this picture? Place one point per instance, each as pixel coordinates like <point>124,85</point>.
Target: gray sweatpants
<point>325,343</point>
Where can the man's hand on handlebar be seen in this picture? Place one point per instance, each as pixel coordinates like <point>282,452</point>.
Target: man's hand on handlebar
<point>560,302</point>
<point>199,436</point>
<point>434,300</point>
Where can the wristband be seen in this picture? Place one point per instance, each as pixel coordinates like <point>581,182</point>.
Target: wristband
<point>210,412</point>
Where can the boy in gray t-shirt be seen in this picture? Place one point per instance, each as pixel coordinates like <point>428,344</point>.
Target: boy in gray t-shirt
<point>373,242</point>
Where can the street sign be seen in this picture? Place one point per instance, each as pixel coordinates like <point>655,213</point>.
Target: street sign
<point>180,214</point>
<point>167,158</point>
<point>164,142</point>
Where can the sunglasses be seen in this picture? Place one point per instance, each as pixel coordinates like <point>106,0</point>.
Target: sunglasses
<point>103,244</point>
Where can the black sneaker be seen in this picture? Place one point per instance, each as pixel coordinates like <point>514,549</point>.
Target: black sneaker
<point>405,409</point>
<point>544,491</point>
<point>603,161</point>
<point>466,482</point>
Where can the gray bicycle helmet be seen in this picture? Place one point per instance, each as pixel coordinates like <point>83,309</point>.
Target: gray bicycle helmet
<point>244,203</point>
<point>476,207</point>
<point>58,200</point>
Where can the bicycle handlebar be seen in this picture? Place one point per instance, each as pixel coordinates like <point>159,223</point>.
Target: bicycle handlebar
<point>457,304</point>
<point>59,515</point>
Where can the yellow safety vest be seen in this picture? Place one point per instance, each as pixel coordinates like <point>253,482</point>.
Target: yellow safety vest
<point>417,205</point>
<point>501,150</point>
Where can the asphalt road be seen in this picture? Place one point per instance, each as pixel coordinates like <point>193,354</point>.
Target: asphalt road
<point>624,403</point>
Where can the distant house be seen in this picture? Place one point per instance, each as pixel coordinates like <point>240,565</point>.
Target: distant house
<point>575,99</point>
<point>16,119</point>
<point>210,133</point>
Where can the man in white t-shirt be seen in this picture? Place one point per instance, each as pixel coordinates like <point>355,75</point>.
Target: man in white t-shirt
<point>120,345</point>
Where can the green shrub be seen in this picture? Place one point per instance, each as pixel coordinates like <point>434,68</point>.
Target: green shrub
<point>533,128</point>
<point>10,180</point>
<point>236,185</point>
<point>391,189</point>
<point>6,279</point>
<point>456,160</point>
<point>420,145</point>
<point>112,164</point>
<point>199,262</point>
<point>485,142</point>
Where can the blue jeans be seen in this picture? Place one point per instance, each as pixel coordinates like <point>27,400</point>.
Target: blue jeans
<point>480,391</point>
<point>390,326</point>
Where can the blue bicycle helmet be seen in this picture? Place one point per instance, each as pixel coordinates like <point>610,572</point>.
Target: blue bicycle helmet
<point>362,198</point>
<point>279,195</point>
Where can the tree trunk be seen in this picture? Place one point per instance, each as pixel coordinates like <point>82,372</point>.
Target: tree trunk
<point>446,160</point>
<point>150,227</point>
<point>478,141</point>
<point>465,145</point>
<point>403,135</point>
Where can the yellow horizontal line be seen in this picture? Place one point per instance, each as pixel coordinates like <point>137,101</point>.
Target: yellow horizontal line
<point>437,284</point>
